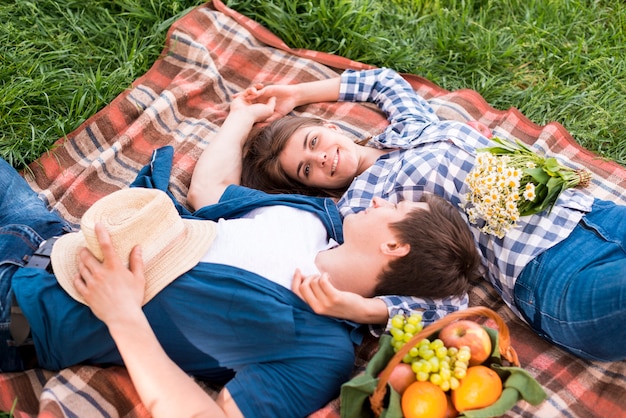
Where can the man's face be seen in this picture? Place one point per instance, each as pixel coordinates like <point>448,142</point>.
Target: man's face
<point>373,224</point>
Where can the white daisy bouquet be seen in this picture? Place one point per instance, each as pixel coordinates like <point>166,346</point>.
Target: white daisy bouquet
<point>510,180</point>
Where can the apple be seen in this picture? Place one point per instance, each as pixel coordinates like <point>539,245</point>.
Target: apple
<point>451,411</point>
<point>401,377</point>
<point>471,334</point>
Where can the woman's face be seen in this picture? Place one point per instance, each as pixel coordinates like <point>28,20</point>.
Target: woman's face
<point>320,156</point>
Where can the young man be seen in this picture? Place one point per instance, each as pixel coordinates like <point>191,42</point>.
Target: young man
<point>114,297</point>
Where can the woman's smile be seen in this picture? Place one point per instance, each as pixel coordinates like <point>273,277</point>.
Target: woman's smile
<point>333,167</point>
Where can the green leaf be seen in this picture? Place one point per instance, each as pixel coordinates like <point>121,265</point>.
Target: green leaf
<point>552,166</point>
<point>526,385</point>
<point>497,150</point>
<point>505,146</point>
<point>531,210</point>
<point>555,187</point>
<point>538,175</point>
<point>524,147</point>
<point>538,205</point>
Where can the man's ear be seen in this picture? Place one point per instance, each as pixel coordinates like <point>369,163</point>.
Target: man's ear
<point>395,249</point>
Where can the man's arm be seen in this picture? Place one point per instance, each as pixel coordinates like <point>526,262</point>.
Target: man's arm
<point>319,293</point>
<point>163,387</point>
<point>325,299</point>
<point>115,294</point>
<point>220,162</point>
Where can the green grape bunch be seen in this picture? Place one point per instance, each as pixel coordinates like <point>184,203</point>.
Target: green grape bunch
<point>430,359</point>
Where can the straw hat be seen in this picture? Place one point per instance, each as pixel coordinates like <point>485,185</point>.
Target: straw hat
<point>170,245</point>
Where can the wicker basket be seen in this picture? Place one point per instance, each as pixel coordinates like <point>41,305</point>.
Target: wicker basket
<point>506,350</point>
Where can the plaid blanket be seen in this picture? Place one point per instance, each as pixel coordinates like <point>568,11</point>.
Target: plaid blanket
<point>210,54</point>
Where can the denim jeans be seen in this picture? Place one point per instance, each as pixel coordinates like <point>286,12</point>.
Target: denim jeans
<point>25,222</point>
<point>574,294</point>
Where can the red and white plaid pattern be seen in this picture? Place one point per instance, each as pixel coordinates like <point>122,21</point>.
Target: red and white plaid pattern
<point>210,54</point>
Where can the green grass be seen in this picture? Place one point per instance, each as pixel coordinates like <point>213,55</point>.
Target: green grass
<point>555,60</point>
<point>61,61</point>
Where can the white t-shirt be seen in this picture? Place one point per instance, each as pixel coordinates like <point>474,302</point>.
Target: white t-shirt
<point>271,241</point>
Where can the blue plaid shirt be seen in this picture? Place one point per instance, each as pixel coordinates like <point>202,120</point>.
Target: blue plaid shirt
<point>435,156</point>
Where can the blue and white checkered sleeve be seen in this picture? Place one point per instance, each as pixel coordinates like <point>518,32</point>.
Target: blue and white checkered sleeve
<point>408,113</point>
<point>431,309</point>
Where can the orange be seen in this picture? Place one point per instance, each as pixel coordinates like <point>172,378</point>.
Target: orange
<point>480,387</point>
<point>424,400</point>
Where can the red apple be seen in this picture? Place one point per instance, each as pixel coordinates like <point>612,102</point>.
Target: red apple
<point>401,377</point>
<point>471,334</point>
<point>451,411</point>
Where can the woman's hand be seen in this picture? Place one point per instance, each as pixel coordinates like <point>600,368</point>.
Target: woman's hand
<point>111,290</point>
<point>290,96</point>
<point>248,102</point>
<point>284,97</point>
<point>325,299</point>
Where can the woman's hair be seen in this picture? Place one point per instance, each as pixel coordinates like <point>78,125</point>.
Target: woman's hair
<point>261,167</point>
<point>443,258</point>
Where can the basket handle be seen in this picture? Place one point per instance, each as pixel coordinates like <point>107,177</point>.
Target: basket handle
<point>506,350</point>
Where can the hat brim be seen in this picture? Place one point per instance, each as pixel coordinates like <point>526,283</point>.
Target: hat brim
<point>159,272</point>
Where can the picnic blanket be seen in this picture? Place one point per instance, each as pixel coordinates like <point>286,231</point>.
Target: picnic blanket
<point>210,54</point>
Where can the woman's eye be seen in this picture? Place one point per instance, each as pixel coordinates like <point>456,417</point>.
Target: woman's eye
<point>313,142</point>
<point>307,170</point>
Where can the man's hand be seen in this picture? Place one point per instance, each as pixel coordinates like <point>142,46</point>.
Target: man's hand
<point>115,295</point>
<point>325,299</point>
<point>111,290</point>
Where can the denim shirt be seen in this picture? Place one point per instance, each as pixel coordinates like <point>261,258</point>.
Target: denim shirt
<point>214,321</point>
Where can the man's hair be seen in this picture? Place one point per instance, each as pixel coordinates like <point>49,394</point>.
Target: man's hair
<point>443,258</point>
<point>261,167</point>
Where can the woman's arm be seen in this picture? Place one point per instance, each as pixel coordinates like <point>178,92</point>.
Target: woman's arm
<point>220,162</point>
<point>408,113</point>
<point>114,294</point>
<point>290,96</point>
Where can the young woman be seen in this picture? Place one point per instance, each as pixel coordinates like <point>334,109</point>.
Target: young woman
<point>563,271</point>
